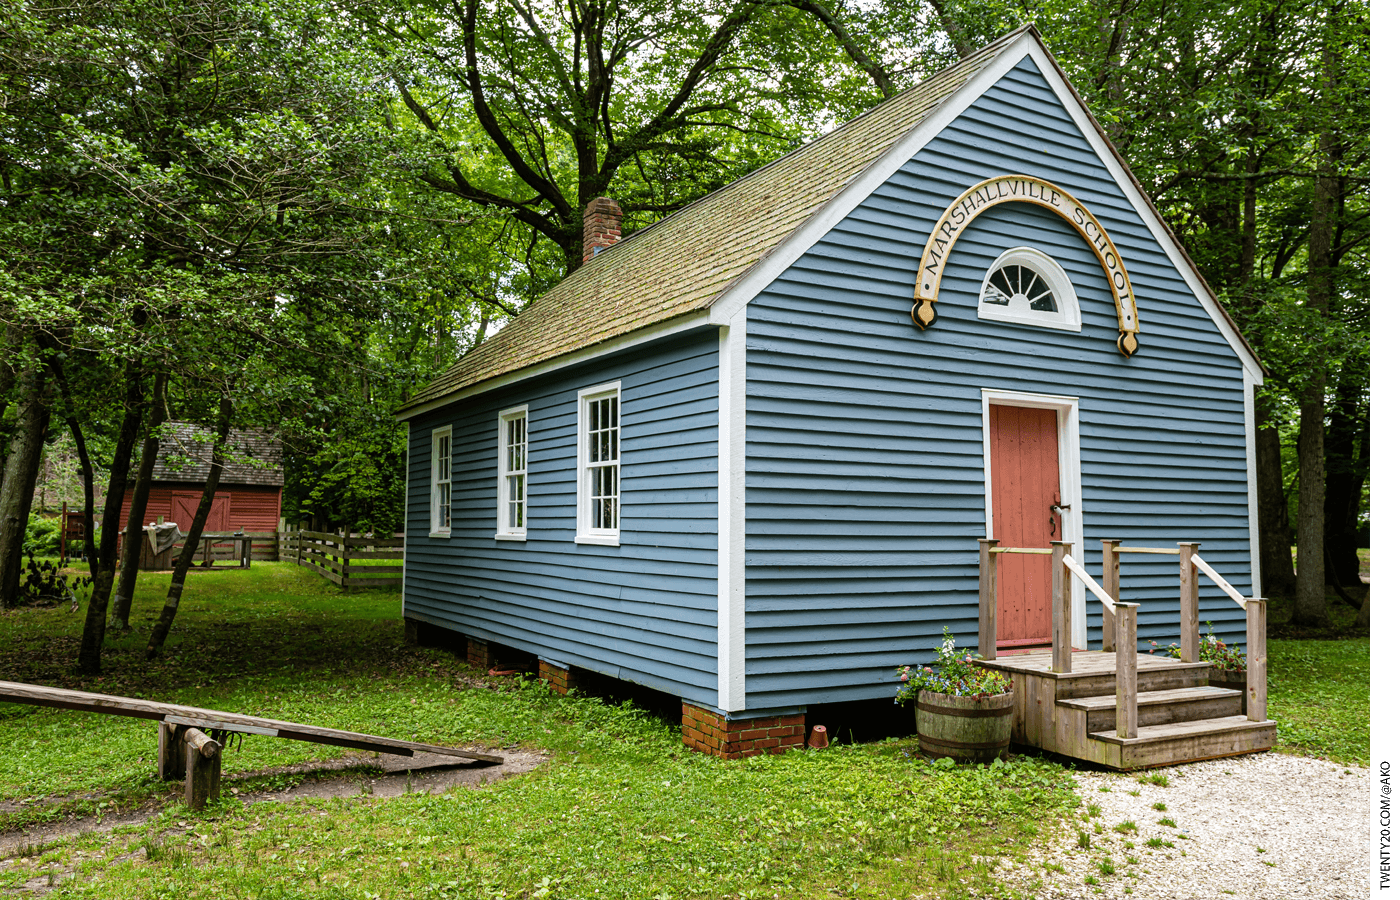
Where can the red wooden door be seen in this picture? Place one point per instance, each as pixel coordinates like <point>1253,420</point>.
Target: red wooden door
<point>1025,484</point>
<point>183,506</point>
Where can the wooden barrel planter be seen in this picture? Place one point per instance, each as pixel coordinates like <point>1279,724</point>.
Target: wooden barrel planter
<point>967,729</point>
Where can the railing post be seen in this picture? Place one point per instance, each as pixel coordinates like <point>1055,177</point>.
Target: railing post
<point>1060,605</point>
<point>1257,668</point>
<point>1190,604</point>
<point>987,598</point>
<point>1110,587</point>
<point>1126,620</point>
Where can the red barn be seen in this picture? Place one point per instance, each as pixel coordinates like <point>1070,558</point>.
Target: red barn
<point>250,490</point>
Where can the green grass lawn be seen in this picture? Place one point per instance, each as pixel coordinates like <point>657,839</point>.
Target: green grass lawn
<point>1319,692</point>
<point>621,809</point>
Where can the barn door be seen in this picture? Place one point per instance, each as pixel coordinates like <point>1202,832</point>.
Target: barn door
<point>184,503</point>
<point>1025,460</point>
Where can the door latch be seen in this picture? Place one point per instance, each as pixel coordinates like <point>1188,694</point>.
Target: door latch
<point>1056,507</point>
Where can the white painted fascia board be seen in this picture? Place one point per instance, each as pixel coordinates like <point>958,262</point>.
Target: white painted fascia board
<point>1071,483</point>
<point>791,248</point>
<point>730,593</point>
<point>618,344</point>
<point>1142,205</point>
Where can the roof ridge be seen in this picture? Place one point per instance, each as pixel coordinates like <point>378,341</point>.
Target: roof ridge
<point>705,246</point>
<point>969,60</point>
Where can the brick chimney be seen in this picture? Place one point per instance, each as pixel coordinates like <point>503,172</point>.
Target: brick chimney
<point>602,226</point>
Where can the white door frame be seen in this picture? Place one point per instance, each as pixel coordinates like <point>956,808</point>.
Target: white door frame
<point>1071,522</point>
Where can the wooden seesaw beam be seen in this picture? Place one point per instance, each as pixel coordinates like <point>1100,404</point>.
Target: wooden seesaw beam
<point>187,751</point>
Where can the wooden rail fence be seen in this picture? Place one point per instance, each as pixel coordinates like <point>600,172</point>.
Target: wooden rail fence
<point>342,558</point>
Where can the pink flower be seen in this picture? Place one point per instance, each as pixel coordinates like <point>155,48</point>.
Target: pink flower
<point>904,677</point>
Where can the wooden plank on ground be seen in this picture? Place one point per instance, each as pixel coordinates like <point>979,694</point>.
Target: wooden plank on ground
<point>84,701</point>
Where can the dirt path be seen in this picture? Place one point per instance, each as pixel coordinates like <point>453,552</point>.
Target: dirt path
<point>388,776</point>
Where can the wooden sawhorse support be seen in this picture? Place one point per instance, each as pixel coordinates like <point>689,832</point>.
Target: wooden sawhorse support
<point>189,753</point>
<point>191,738</point>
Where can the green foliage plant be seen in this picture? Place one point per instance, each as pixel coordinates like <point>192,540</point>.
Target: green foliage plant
<point>1214,651</point>
<point>952,672</point>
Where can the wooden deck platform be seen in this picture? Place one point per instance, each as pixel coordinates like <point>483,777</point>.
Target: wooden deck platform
<point>1181,718</point>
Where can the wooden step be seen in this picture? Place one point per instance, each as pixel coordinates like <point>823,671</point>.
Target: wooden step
<point>1160,707</point>
<point>1179,742</point>
<point>1095,673</point>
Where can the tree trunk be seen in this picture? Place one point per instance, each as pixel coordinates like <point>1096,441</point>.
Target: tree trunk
<point>104,562</point>
<point>1275,538</point>
<point>1310,607</point>
<point>140,494</point>
<point>182,565</point>
<point>21,473</point>
<point>1345,477</point>
<point>84,464</point>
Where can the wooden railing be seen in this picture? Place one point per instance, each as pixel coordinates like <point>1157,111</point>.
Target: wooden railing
<point>334,557</point>
<point>1120,618</point>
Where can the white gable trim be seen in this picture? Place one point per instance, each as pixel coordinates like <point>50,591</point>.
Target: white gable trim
<point>1143,207</point>
<point>877,173</point>
<point>816,227</point>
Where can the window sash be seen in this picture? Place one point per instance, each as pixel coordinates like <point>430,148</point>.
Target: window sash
<point>600,453</point>
<point>512,463</point>
<point>441,515</point>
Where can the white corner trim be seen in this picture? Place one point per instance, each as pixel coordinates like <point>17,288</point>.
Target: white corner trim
<point>816,226</point>
<point>1142,206</point>
<point>1252,486</point>
<point>733,351</point>
<point>606,348</point>
<point>1067,430</point>
<point>407,470</point>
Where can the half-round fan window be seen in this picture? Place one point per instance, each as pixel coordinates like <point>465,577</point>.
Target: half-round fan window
<point>1030,288</point>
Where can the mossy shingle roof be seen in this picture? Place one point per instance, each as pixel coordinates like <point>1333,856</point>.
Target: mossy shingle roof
<point>683,263</point>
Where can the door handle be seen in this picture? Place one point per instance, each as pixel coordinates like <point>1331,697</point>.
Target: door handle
<point>1056,508</point>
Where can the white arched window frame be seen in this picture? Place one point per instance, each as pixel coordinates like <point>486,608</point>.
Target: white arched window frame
<point>1031,289</point>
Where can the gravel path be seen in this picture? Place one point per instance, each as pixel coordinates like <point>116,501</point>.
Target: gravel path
<point>1261,827</point>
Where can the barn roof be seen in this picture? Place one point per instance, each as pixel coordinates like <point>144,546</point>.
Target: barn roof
<point>254,457</point>
<point>684,262</point>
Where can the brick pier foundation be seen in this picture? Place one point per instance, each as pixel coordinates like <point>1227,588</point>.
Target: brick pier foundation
<point>710,732</point>
<point>560,678</point>
<point>477,655</point>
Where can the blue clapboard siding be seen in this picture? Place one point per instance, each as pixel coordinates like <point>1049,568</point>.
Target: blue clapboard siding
<point>644,611</point>
<point>865,484</point>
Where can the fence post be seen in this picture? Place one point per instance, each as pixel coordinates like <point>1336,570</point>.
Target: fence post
<point>1060,606</point>
<point>1126,617</point>
<point>987,598</point>
<point>345,559</point>
<point>1111,572</point>
<point>1256,682</point>
<point>1190,603</point>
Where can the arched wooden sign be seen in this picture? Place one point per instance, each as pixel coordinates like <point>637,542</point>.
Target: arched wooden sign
<point>1023,189</point>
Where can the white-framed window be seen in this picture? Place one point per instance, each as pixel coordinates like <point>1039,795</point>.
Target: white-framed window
<point>511,463</point>
<point>442,482</point>
<point>600,464</point>
<point>1027,287</point>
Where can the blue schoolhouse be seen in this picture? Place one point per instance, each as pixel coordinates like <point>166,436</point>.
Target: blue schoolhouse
<point>744,456</point>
